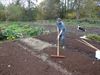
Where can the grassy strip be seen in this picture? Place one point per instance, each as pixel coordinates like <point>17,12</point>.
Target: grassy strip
<point>94,37</point>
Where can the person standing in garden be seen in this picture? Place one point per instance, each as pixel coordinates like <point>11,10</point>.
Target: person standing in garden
<point>61,29</point>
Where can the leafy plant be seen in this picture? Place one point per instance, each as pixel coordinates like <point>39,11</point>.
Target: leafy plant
<point>2,37</point>
<point>11,34</point>
<point>34,31</point>
<point>14,31</point>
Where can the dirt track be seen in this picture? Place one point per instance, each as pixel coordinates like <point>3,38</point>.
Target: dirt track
<point>79,60</point>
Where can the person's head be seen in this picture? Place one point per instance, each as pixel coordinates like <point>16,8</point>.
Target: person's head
<point>58,19</point>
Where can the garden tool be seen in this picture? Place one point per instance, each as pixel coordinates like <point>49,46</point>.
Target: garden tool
<point>97,51</point>
<point>58,51</point>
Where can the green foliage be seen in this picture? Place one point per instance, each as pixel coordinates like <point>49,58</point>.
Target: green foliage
<point>94,37</point>
<point>71,15</point>
<point>13,12</point>
<point>12,32</point>
<point>35,31</point>
<point>2,12</point>
<point>15,31</point>
<point>83,22</point>
<point>90,21</point>
<point>2,37</point>
<point>48,9</point>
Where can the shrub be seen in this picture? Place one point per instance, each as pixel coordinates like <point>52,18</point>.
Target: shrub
<point>71,15</point>
<point>10,34</point>
<point>34,31</point>
<point>14,31</point>
<point>2,37</point>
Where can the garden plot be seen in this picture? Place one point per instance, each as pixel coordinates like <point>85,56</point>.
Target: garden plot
<point>79,58</point>
<point>16,58</point>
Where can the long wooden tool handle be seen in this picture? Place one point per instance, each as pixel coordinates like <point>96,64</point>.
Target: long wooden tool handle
<point>90,45</point>
<point>58,47</point>
<point>58,39</point>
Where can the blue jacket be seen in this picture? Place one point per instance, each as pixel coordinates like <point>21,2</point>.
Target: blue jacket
<point>61,26</point>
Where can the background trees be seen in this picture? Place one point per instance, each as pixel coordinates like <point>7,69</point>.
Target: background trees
<point>28,10</point>
<point>49,9</point>
<point>2,12</point>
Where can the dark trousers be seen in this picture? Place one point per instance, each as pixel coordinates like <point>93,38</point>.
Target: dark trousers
<point>61,39</point>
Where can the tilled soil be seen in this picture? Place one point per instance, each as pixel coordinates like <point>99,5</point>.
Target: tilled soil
<point>14,60</point>
<point>79,58</point>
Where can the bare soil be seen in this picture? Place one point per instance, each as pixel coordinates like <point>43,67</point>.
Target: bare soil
<point>15,60</point>
<point>79,58</point>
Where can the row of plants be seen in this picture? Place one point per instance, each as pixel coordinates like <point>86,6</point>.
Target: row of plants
<point>94,37</point>
<point>83,22</point>
<point>14,31</point>
<point>90,21</point>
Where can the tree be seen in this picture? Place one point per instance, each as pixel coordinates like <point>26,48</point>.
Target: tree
<point>85,8</point>
<point>77,9</point>
<point>17,2</point>
<point>2,12</point>
<point>51,8</point>
<point>88,8</point>
<point>30,10</point>
<point>63,8</point>
<point>13,12</point>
